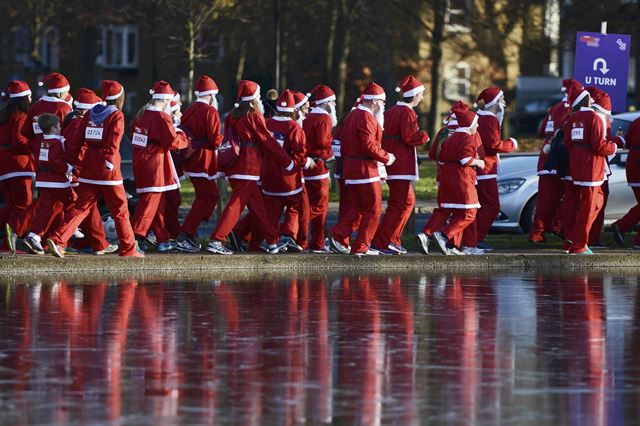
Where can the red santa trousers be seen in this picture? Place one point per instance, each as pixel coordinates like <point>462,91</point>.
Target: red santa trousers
<point>170,217</point>
<point>92,228</point>
<point>569,206</point>
<point>469,237</point>
<point>150,208</point>
<point>490,206</point>
<point>18,197</point>
<point>629,220</point>
<point>589,202</point>
<point>115,198</point>
<point>368,208</point>
<point>596,229</point>
<point>54,203</point>
<point>301,214</point>
<point>318,193</point>
<point>400,204</point>
<point>436,221</point>
<point>459,220</point>
<point>275,205</point>
<point>245,193</point>
<point>550,189</point>
<point>207,196</point>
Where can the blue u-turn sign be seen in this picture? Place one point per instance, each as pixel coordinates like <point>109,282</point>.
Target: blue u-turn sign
<point>602,60</point>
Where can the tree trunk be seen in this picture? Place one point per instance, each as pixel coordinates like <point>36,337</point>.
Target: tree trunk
<point>331,40</point>
<point>192,61</point>
<point>343,55</point>
<point>242,58</point>
<point>439,8</point>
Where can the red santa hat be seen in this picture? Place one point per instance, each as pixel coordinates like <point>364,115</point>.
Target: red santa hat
<point>286,102</point>
<point>568,82</point>
<point>162,90</point>
<point>87,99</point>
<point>206,86</point>
<point>489,96</point>
<point>452,120</point>
<point>17,89</point>
<point>56,83</point>
<point>410,86</point>
<point>111,90</point>
<point>575,94</point>
<point>322,94</point>
<point>373,91</point>
<point>300,99</point>
<point>247,91</point>
<point>465,117</point>
<point>601,100</point>
<point>174,105</point>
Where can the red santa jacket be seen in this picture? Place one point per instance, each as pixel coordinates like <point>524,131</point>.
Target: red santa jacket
<point>15,153</point>
<point>101,131</point>
<point>336,147</point>
<point>256,142</point>
<point>73,153</point>
<point>400,136</point>
<point>52,165</point>
<point>152,137</point>
<point>275,180</point>
<point>584,137</point>
<point>632,142</point>
<point>46,104</point>
<point>362,147</point>
<point>317,127</point>
<point>203,122</point>
<point>457,188</point>
<point>553,122</point>
<point>492,144</point>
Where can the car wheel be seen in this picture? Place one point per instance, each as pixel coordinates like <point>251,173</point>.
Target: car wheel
<point>526,218</point>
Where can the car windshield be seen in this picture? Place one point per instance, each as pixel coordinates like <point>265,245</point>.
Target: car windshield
<point>618,124</point>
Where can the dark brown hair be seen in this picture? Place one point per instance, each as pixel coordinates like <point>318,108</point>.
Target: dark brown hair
<point>47,122</point>
<point>584,103</point>
<point>292,114</point>
<point>7,109</point>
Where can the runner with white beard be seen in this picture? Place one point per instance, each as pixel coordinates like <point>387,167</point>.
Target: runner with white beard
<point>361,151</point>
<point>318,126</point>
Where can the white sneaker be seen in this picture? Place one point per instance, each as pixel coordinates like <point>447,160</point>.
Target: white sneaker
<point>370,252</point>
<point>216,247</point>
<point>454,252</point>
<point>78,234</point>
<point>441,240</point>
<point>423,242</point>
<point>111,248</point>
<point>324,250</point>
<point>337,247</point>
<point>474,251</point>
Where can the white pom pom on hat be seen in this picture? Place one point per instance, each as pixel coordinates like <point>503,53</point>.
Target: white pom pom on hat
<point>398,89</point>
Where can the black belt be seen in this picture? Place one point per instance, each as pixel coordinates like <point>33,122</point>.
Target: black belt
<point>582,145</point>
<point>391,137</point>
<point>634,148</point>
<point>251,144</point>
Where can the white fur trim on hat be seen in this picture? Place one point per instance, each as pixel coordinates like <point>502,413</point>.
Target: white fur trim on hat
<point>254,96</point>
<point>494,100</point>
<point>112,97</point>
<point>413,91</point>
<point>325,100</point>
<point>302,102</point>
<point>371,97</point>
<point>601,109</point>
<point>19,94</point>
<point>59,89</point>
<point>165,96</point>
<point>81,105</point>
<point>580,97</point>
<point>206,92</point>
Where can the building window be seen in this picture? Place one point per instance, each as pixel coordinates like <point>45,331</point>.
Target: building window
<point>118,47</point>
<point>457,16</point>
<point>456,81</point>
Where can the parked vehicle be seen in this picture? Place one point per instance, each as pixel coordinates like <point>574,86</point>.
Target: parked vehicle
<point>518,185</point>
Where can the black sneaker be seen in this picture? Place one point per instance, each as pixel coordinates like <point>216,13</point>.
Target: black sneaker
<point>617,235</point>
<point>186,244</point>
<point>290,244</point>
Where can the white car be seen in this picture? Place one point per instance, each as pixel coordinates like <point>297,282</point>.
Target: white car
<point>518,186</point>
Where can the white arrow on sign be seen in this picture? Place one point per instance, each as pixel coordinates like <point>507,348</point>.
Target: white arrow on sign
<point>603,69</point>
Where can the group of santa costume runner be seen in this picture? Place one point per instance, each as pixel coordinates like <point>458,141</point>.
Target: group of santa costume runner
<point>278,167</point>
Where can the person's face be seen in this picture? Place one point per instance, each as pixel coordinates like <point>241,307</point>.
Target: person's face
<point>29,97</point>
<point>502,103</point>
<point>378,105</point>
<point>305,108</point>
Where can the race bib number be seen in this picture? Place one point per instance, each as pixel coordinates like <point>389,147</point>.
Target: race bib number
<point>36,128</point>
<point>335,147</point>
<point>139,140</point>
<point>577,134</point>
<point>93,133</point>
<point>44,154</point>
<point>549,127</point>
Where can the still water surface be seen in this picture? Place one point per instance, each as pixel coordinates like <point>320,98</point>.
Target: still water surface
<point>363,349</point>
